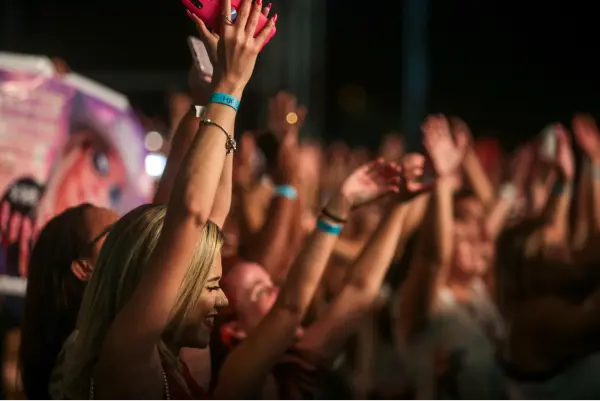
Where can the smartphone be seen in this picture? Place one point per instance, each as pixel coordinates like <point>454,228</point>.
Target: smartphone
<point>209,11</point>
<point>200,55</point>
<point>548,146</point>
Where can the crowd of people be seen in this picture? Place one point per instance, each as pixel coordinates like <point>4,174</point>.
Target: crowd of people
<point>277,267</point>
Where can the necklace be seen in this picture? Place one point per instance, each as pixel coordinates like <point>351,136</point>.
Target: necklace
<point>165,381</point>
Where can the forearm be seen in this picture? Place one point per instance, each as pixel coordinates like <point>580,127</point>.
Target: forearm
<point>480,182</point>
<point>222,204</point>
<point>269,247</point>
<point>556,213</point>
<point>182,140</point>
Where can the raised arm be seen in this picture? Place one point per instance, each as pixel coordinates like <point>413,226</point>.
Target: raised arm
<point>246,367</point>
<point>587,137</point>
<point>435,242</point>
<point>358,296</point>
<point>556,233</point>
<point>130,348</point>
<point>270,245</point>
<point>509,191</point>
<point>476,175</point>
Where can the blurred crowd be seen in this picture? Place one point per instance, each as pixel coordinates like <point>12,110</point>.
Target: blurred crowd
<point>284,267</point>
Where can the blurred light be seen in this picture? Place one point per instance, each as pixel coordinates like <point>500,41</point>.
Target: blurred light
<point>291,118</point>
<point>353,99</point>
<point>155,164</point>
<point>153,141</point>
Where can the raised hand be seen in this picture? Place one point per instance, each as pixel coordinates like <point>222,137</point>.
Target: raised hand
<point>288,160</point>
<point>285,114</point>
<point>461,129</point>
<point>234,51</point>
<point>211,39</point>
<point>587,136</point>
<point>565,160</point>
<point>371,182</point>
<point>445,153</point>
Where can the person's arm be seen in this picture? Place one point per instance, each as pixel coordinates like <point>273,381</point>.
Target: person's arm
<point>249,363</point>
<point>435,242</point>
<point>129,358</point>
<point>587,137</point>
<point>244,369</point>
<point>363,284</point>
<point>474,171</point>
<point>509,192</point>
<point>556,213</point>
<point>583,210</point>
<point>479,180</point>
<point>270,246</point>
<point>328,334</point>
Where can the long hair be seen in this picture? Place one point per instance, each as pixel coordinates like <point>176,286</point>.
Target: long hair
<point>121,264</point>
<point>53,297</point>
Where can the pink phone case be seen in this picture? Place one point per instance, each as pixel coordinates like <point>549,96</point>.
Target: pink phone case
<point>210,13</point>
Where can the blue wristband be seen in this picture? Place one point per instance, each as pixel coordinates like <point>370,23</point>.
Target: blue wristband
<point>328,228</point>
<point>223,98</point>
<point>286,191</point>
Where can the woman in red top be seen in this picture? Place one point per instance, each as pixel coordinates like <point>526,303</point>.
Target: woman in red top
<point>155,288</point>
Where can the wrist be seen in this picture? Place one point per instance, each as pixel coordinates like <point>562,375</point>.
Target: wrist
<point>339,205</point>
<point>230,87</point>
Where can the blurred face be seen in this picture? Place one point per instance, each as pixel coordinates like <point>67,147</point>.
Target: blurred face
<point>197,325</point>
<point>470,210</point>
<point>472,254</point>
<point>254,293</point>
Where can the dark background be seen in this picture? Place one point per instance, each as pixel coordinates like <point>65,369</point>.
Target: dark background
<point>506,67</point>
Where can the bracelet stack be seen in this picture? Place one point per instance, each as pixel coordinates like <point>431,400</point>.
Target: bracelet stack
<point>228,100</point>
<point>327,227</point>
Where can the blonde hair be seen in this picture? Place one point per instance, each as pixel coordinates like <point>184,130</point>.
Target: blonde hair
<point>122,261</point>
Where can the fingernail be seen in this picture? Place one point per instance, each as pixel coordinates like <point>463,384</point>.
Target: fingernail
<point>259,2</point>
<point>269,5</point>
<point>275,18</point>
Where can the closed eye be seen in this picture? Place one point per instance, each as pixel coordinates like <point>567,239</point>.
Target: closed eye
<point>211,289</point>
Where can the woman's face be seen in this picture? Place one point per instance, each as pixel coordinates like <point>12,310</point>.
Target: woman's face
<point>197,325</point>
<point>254,292</point>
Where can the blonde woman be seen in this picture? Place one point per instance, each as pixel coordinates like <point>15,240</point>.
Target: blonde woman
<point>155,288</point>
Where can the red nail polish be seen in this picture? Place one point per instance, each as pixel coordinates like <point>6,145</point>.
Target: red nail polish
<point>270,4</point>
<point>259,2</point>
<point>275,18</point>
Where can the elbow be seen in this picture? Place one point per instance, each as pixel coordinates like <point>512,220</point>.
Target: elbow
<point>196,209</point>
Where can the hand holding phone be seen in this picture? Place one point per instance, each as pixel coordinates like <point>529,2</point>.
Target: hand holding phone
<point>209,11</point>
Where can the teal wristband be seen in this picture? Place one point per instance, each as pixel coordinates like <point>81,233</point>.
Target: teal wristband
<point>328,228</point>
<point>223,98</point>
<point>286,191</point>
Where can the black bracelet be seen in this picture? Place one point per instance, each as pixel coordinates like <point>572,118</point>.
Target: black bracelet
<point>333,217</point>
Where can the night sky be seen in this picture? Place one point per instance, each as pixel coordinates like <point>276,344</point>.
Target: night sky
<point>505,67</point>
